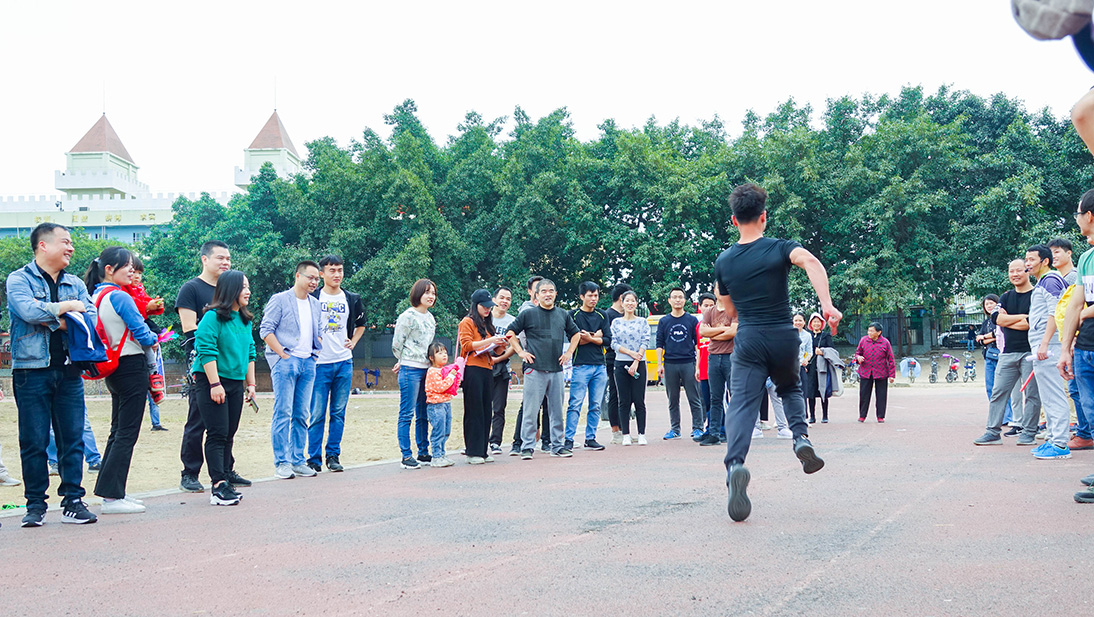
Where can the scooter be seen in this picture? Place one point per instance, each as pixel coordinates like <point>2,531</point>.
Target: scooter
<point>951,375</point>
<point>970,369</point>
<point>850,373</point>
<point>933,378</point>
<point>910,366</point>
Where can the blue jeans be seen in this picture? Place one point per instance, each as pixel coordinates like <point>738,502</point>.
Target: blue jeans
<point>440,417</point>
<point>989,381</point>
<point>46,397</point>
<point>1083,366</point>
<point>591,379</point>
<point>91,453</point>
<point>153,411</point>
<point>292,384</point>
<point>332,384</point>
<point>719,374</point>
<point>412,407</point>
<point>1082,429</point>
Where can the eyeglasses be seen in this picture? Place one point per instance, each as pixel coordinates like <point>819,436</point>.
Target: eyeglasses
<point>312,278</point>
<point>1078,214</point>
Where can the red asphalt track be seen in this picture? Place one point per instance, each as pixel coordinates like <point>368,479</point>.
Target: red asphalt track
<point>907,518</point>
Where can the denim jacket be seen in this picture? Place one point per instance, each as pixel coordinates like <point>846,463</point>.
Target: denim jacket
<point>34,317</point>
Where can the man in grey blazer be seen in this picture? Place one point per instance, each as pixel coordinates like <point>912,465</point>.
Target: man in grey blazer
<point>290,327</point>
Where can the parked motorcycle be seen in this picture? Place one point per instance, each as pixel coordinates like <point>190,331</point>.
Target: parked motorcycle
<point>909,367</point>
<point>951,375</point>
<point>850,373</point>
<point>970,369</point>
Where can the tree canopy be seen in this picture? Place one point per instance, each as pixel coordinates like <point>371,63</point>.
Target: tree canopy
<point>907,200</point>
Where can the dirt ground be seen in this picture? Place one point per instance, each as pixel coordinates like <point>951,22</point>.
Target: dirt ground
<point>369,436</point>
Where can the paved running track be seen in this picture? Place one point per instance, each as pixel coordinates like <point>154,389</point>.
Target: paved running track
<point>907,518</point>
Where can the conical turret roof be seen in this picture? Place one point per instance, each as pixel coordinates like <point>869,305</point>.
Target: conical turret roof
<point>273,136</point>
<point>102,138</point>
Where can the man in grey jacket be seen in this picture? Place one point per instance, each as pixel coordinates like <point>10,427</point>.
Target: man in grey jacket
<point>290,327</point>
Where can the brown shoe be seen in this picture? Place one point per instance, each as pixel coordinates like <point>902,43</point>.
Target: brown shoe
<point>1078,443</point>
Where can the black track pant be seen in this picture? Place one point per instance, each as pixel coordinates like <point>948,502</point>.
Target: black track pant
<point>478,390</point>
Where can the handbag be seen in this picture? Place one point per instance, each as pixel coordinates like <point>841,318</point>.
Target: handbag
<point>991,353</point>
<point>102,370</point>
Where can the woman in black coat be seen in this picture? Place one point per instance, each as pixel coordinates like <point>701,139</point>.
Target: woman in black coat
<point>821,339</point>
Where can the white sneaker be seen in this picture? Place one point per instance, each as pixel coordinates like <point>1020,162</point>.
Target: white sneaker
<point>488,459</point>
<point>284,471</point>
<point>130,499</point>
<point>627,440</point>
<point>766,426</point>
<point>303,471</point>
<point>785,433</point>
<point>443,461</point>
<point>121,506</point>
<point>6,480</point>
<point>757,433</point>
<point>475,460</point>
<point>617,437</point>
<point>642,440</point>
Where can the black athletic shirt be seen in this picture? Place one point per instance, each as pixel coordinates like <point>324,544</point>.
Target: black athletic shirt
<point>755,275</point>
<point>57,351</point>
<point>1015,303</point>
<point>590,353</point>
<point>548,333</point>
<point>195,295</point>
<point>609,355</point>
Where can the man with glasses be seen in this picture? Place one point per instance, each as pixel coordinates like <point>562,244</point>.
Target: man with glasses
<point>290,327</point>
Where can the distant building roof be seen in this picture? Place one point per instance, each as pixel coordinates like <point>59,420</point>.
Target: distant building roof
<point>102,138</point>
<point>273,136</point>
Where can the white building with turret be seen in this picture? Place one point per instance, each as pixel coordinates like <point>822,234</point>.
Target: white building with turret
<point>103,196</point>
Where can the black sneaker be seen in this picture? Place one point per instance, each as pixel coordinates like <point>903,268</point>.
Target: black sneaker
<point>811,463</point>
<point>739,506</point>
<point>1086,496</point>
<point>34,518</point>
<point>495,448</point>
<point>75,512</point>
<point>515,451</point>
<point>224,495</point>
<point>563,452</point>
<point>316,467</point>
<point>568,444</point>
<point>710,439</point>
<point>237,480</point>
<point>159,427</point>
<point>333,464</point>
<point>1088,480</point>
<point>190,484</point>
<point>545,446</point>
<point>425,459</point>
<point>1014,430</point>
<point>409,463</point>
<point>591,444</point>
<point>96,468</point>
<point>526,455</point>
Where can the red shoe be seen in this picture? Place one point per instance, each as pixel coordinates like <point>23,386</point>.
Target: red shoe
<point>881,420</point>
<point>156,387</point>
<point>1078,443</point>
<point>862,419</point>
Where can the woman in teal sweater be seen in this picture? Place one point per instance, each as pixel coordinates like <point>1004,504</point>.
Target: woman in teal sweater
<point>224,372</point>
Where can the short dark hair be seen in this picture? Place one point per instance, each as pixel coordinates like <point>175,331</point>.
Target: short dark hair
<point>707,296</point>
<point>875,325</point>
<point>330,260</point>
<point>532,281</point>
<point>43,232</point>
<point>586,287</point>
<point>207,248</point>
<point>748,201</point>
<point>543,281</point>
<point>1086,202</point>
<point>500,289</point>
<point>418,290</point>
<point>679,289</point>
<point>619,290</point>
<point>304,265</point>
<point>1061,243</point>
<point>1042,251</point>
<point>138,265</point>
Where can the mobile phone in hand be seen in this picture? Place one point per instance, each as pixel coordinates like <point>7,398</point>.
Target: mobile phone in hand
<point>254,404</point>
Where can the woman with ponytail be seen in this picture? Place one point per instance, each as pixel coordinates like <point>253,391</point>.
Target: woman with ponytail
<point>128,384</point>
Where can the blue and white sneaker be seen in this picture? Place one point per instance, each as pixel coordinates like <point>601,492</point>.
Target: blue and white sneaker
<point>671,435</point>
<point>1040,448</point>
<point>1053,451</point>
<point>697,434</point>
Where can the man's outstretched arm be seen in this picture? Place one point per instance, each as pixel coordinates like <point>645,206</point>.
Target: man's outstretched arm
<point>818,276</point>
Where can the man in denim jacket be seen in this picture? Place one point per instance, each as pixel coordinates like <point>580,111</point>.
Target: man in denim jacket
<point>290,327</point>
<point>48,389</point>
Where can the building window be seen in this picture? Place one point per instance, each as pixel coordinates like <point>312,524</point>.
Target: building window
<point>138,236</point>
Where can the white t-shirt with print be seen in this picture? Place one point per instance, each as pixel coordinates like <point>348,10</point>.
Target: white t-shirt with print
<point>333,328</point>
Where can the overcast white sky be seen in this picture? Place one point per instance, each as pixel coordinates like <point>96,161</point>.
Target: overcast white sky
<point>188,85</point>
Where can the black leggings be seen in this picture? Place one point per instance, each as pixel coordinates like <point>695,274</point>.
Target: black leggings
<point>813,408</point>
<point>631,390</point>
<point>613,398</point>
<point>478,386</point>
<point>221,422</point>
<point>128,387</point>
